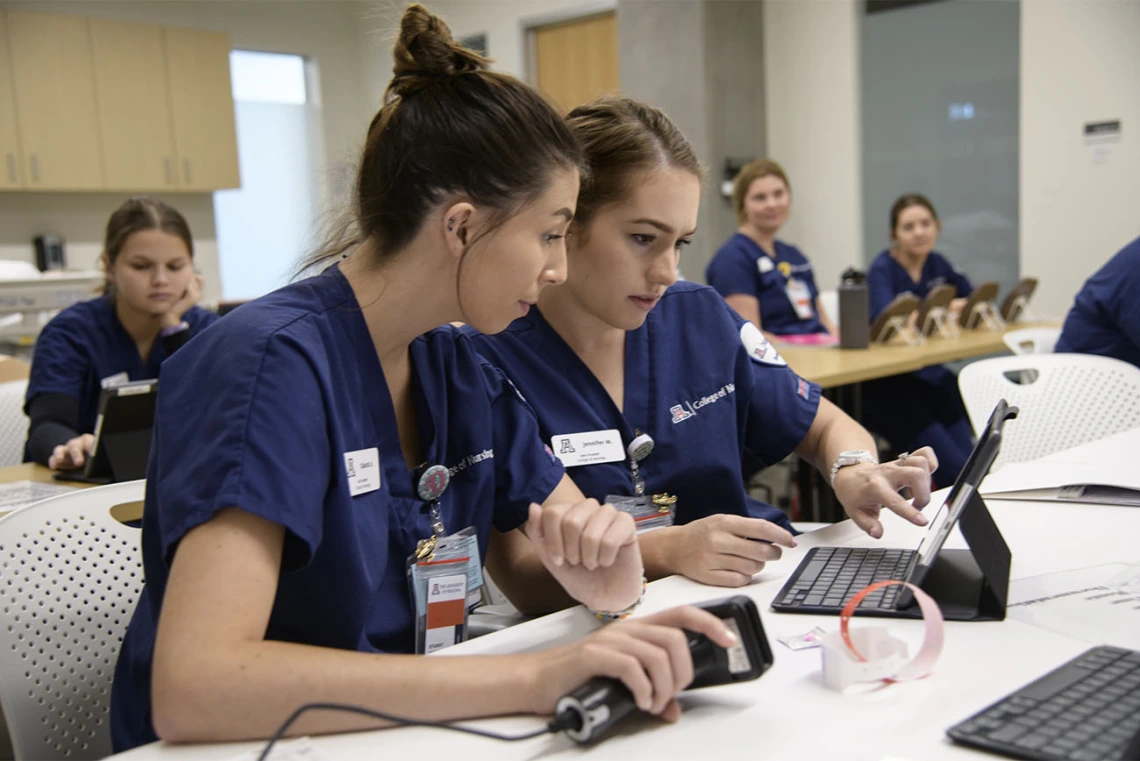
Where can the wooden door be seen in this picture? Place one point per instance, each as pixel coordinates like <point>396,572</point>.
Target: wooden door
<point>202,107</point>
<point>134,106</point>
<point>577,61</point>
<point>55,101</point>
<point>11,157</point>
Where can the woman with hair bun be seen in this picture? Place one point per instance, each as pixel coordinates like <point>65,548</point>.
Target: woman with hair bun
<point>311,455</point>
<point>147,311</point>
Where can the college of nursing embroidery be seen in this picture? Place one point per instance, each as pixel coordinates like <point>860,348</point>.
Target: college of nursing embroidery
<point>758,347</point>
<point>685,410</point>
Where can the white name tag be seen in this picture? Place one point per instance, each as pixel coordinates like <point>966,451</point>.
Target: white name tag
<point>362,469</point>
<point>118,379</point>
<point>588,448</point>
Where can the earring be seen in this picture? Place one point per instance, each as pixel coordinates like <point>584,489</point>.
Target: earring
<point>451,224</point>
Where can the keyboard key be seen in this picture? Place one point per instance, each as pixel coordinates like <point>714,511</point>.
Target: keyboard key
<point>1007,733</point>
<point>1032,742</point>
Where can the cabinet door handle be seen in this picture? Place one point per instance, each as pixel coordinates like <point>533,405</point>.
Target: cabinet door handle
<point>35,168</point>
<point>186,170</point>
<point>169,171</point>
<point>11,166</point>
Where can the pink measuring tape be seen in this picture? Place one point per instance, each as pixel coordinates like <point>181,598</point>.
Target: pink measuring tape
<point>871,654</point>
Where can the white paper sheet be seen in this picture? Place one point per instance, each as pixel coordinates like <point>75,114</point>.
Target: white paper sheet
<point>23,493</point>
<point>1100,604</point>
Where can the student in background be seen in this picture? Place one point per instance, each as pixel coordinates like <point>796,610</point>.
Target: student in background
<point>288,490</point>
<point>148,310</point>
<point>623,347</point>
<point>768,282</point>
<point>923,407</point>
<point>1105,318</point>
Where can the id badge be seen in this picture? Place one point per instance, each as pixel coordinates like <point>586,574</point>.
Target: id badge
<point>800,297</point>
<point>439,593</point>
<point>649,511</point>
<point>465,544</point>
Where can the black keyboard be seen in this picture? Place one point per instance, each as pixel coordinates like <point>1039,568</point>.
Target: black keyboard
<point>1085,710</point>
<point>829,576</point>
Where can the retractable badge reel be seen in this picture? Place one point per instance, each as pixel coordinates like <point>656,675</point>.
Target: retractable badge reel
<point>432,483</point>
<point>648,511</point>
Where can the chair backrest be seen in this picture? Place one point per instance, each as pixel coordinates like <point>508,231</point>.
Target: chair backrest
<point>1070,399</point>
<point>1032,340</point>
<point>829,300</point>
<point>71,578</point>
<point>13,422</point>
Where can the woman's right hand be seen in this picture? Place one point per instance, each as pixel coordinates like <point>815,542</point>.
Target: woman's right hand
<point>724,550</point>
<point>648,655</point>
<point>73,454</point>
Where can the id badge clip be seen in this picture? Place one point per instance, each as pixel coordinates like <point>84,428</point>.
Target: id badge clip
<point>649,511</point>
<point>871,654</point>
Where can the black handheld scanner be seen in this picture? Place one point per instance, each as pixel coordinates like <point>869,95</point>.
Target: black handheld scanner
<point>587,713</point>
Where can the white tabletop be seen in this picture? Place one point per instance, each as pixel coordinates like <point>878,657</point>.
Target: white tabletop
<point>788,713</point>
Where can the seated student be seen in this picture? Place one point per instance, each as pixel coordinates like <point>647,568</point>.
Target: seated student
<point>1105,318</point>
<point>923,407</point>
<point>146,313</point>
<point>281,509</point>
<point>623,346</point>
<point>769,282</point>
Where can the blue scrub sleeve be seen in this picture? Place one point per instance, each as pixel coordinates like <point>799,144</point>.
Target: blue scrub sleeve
<point>732,271</point>
<point>781,410</point>
<point>257,441</point>
<point>781,406</point>
<point>1128,318</point>
<point>879,291</point>
<point>525,469</point>
<point>59,364</point>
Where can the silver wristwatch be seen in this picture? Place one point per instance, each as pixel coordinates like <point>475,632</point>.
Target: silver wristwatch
<point>850,457</point>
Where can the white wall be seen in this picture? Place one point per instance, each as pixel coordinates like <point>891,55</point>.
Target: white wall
<point>1079,63</point>
<point>338,34</point>
<point>811,71</point>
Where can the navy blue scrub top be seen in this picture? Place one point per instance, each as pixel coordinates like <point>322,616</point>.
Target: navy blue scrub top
<point>86,344</point>
<point>259,412</point>
<point>738,267</point>
<point>689,383</point>
<point>886,279</point>
<point>1105,318</point>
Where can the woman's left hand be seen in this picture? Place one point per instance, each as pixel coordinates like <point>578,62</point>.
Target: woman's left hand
<point>188,299</point>
<point>591,550</point>
<point>864,490</point>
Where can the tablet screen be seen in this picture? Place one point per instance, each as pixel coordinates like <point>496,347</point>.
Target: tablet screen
<point>975,469</point>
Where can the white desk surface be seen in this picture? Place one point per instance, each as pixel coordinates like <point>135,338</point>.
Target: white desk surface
<point>788,713</point>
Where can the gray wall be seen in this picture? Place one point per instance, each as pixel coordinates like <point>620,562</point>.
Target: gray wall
<point>920,67</point>
<point>685,57</point>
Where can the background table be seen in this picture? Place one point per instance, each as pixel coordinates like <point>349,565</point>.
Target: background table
<point>788,713</point>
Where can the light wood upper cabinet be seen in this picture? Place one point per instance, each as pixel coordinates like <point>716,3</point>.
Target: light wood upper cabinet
<point>202,107</point>
<point>55,101</point>
<point>134,111</point>
<point>11,157</point>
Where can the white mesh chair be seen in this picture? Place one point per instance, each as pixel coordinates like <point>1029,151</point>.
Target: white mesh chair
<point>1072,399</point>
<point>1032,340</point>
<point>13,422</point>
<point>70,575</point>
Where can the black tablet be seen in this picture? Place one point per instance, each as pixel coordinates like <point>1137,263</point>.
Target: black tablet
<point>122,435</point>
